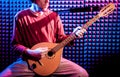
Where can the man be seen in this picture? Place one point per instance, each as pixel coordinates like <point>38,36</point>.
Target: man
<point>35,25</point>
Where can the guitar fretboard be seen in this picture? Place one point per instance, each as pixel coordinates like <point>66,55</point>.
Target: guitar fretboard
<point>73,36</point>
<point>63,43</point>
<point>91,22</point>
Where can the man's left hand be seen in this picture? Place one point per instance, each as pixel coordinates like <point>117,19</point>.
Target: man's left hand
<point>79,31</point>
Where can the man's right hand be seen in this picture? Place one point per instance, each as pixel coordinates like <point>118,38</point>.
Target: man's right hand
<point>36,53</point>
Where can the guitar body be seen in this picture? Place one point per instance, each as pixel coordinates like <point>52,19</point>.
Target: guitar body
<point>47,64</point>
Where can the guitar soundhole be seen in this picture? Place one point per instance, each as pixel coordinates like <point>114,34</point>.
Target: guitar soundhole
<point>33,66</point>
<point>50,53</point>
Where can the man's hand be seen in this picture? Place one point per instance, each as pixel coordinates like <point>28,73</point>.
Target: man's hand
<point>36,53</point>
<point>78,31</point>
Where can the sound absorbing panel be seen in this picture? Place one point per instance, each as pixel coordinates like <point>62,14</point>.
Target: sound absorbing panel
<point>99,46</point>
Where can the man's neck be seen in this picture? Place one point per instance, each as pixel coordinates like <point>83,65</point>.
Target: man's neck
<point>35,8</point>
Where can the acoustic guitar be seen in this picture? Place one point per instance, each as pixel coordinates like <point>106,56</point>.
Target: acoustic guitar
<point>51,58</point>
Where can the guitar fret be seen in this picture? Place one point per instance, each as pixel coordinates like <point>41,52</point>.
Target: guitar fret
<point>71,37</point>
<point>85,26</point>
<point>63,43</point>
<point>90,22</point>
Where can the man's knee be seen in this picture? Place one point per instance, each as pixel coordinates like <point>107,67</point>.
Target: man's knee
<point>81,73</point>
<point>84,74</point>
<point>6,73</point>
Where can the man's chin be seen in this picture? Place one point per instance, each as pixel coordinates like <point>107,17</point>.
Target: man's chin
<point>44,9</point>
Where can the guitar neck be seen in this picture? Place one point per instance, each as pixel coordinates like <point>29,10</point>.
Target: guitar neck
<point>64,43</point>
<point>73,36</point>
<point>91,21</point>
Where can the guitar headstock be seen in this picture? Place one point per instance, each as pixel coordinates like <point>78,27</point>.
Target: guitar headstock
<point>107,10</point>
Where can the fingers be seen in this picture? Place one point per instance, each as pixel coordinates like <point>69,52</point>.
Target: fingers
<point>37,53</point>
<point>79,32</point>
<point>77,28</point>
<point>41,49</point>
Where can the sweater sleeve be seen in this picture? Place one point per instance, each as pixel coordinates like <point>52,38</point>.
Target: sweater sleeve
<point>16,41</point>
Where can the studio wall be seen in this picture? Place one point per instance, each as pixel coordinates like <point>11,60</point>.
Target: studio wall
<point>98,51</point>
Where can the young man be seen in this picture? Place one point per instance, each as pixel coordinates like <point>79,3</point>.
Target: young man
<point>35,25</point>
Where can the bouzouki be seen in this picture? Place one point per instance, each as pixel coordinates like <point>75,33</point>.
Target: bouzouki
<point>50,59</point>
